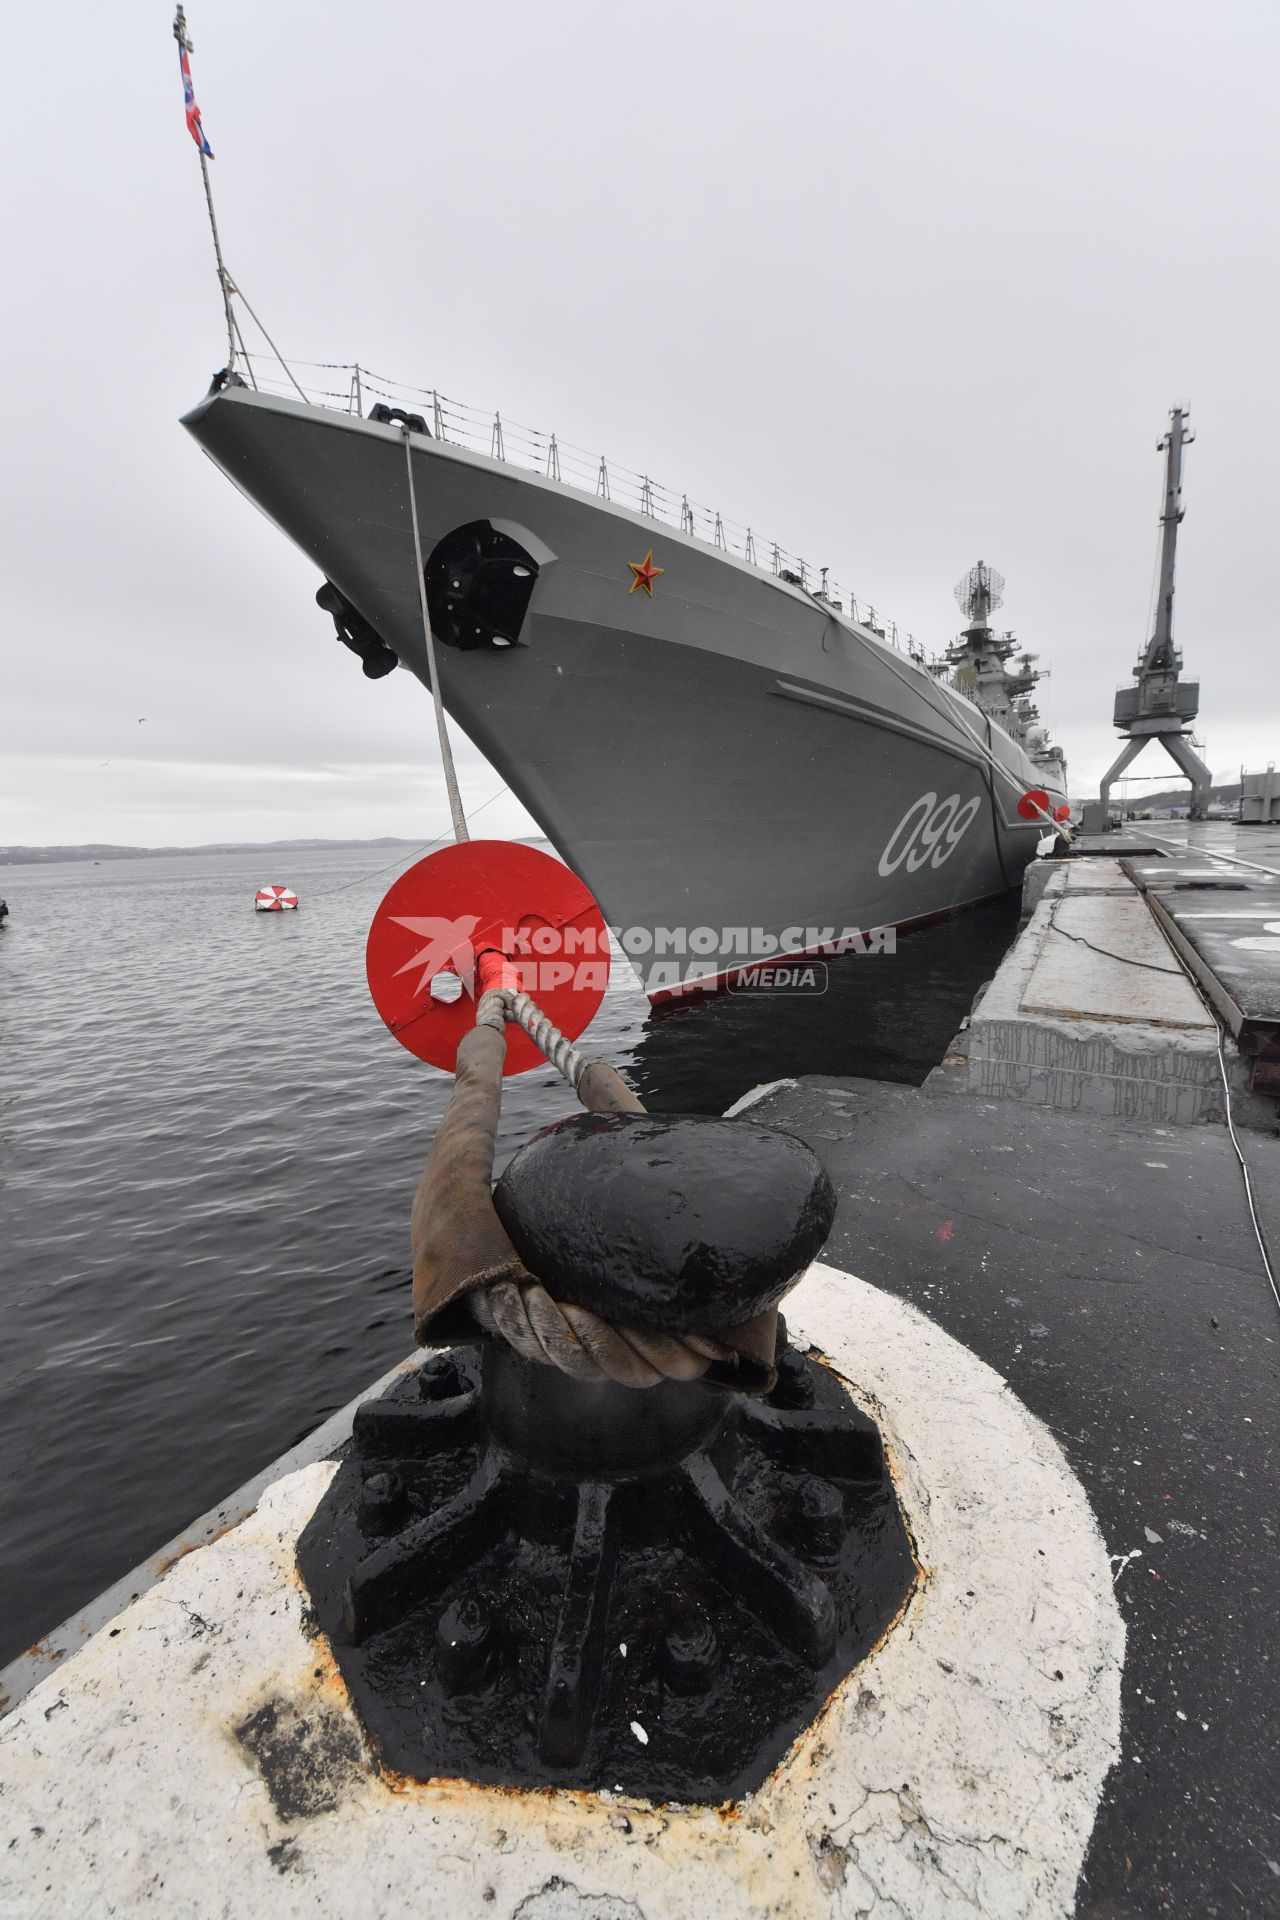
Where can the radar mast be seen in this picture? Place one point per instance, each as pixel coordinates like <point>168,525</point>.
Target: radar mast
<point>977,665</point>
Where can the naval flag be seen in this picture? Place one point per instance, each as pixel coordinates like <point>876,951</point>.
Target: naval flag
<point>194,127</point>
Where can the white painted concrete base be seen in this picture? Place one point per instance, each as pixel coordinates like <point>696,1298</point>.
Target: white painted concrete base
<point>199,1757</point>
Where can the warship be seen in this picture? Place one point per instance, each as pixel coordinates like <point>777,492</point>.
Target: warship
<point>741,763</point>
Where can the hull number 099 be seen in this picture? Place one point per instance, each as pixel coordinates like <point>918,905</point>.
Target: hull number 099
<point>930,830</point>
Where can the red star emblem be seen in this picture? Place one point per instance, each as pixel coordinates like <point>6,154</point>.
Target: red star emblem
<point>645,573</point>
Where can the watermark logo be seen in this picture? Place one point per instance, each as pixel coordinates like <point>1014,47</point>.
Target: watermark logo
<point>780,976</point>
<point>667,959</point>
<point>446,947</point>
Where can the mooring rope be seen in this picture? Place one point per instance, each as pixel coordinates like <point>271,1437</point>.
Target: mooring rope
<point>499,1004</point>
<point>456,813</point>
<point>550,1332</point>
<point>584,1346</point>
<point>363,879</point>
<point>547,1038</point>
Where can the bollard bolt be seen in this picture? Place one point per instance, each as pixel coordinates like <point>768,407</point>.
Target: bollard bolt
<point>438,1378</point>
<point>383,1502</point>
<point>690,1652</point>
<point>467,1650</point>
<point>819,1521</point>
<point>793,1389</point>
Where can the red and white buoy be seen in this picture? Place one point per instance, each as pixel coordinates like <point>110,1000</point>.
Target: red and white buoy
<point>275,900</point>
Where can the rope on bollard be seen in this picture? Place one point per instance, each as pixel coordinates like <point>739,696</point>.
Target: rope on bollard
<point>502,998</point>
<point>556,1333</point>
<point>579,1343</point>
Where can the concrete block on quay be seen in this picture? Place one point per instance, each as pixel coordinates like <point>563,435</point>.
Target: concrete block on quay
<point>1112,846</point>
<point>1199,875</point>
<point>1048,879</point>
<point>1040,878</point>
<point>1090,1012</point>
<point>1105,958</point>
<point>1096,876</point>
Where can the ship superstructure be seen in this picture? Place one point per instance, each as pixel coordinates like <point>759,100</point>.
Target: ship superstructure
<point>977,665</point>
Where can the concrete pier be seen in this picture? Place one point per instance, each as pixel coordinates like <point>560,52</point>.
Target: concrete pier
<point>1064,1198</point>
<point>1046,1287</point>
<point>1091,1012</point>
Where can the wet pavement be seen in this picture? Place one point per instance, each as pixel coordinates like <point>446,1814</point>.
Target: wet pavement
<point>1111,1274</point>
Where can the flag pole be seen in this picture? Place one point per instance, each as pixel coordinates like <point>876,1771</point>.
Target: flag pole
<point>224,278</point>
<point>227,285</point>
<point>225,282</point>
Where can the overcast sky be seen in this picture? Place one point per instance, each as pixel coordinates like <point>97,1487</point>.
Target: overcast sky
<point>900,285</point>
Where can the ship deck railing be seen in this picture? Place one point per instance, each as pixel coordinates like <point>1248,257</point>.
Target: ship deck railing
<point>350,388</point>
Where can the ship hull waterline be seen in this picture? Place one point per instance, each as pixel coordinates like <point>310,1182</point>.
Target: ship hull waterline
<point>737,771</point>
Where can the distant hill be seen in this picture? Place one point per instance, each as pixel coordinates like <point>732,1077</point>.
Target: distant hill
<point>92,850</point>
<point>1227,796</point>
<point>105,850</point>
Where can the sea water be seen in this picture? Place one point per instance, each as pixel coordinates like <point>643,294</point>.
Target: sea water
<point>208,1148</point>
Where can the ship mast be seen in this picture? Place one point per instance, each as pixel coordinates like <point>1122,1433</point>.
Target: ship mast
<point>978,657</point>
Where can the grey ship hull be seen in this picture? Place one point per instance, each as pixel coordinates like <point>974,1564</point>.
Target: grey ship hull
<point>729,754</point>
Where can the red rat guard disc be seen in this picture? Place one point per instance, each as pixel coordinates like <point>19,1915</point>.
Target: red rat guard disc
<point>437,918</point>
<point>1034,804</point>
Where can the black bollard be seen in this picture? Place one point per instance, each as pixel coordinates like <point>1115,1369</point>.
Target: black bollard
<point>518,1568</point>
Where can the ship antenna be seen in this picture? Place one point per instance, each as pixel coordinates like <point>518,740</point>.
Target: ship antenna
<point>980,592</point>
